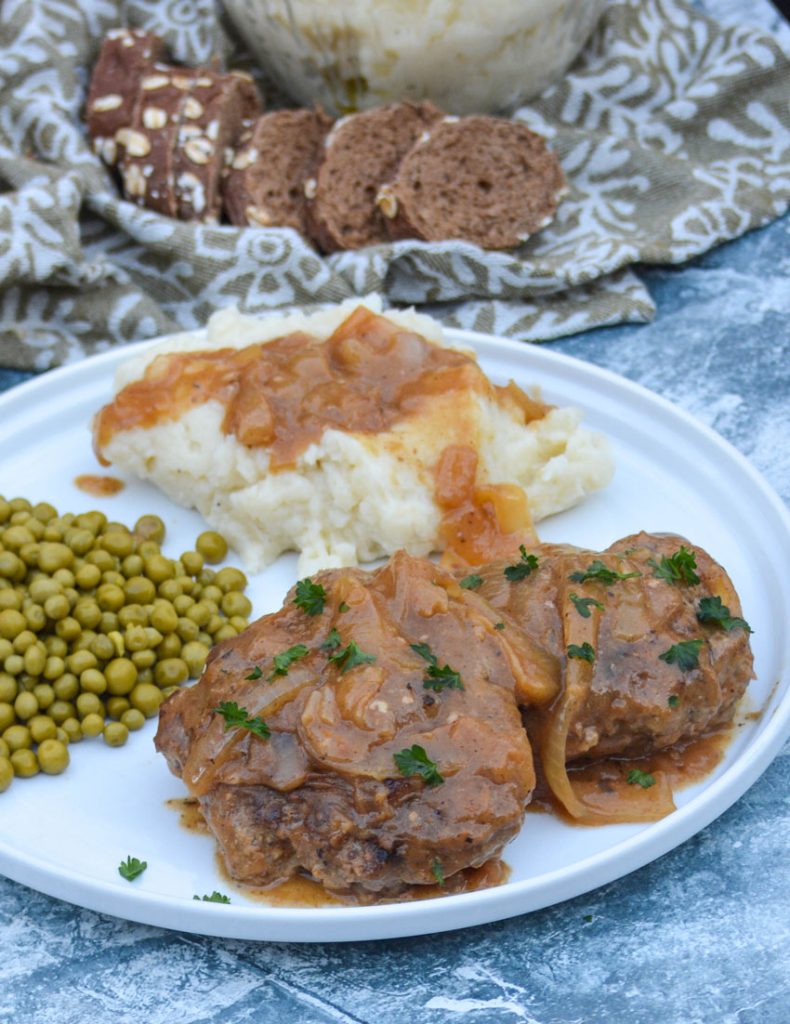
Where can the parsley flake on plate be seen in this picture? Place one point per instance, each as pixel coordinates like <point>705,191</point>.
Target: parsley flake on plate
<point>585,651</point>
<point>600,573</point>
<point>350,656</point>
<point>636,777</point>
<point>437,678</point>
<point>310,597</point>
<point>499,625</point>
<point>239,718</point>
<point>584,604</point>
<point>415,761</point>
<point>283,661</point>
<point>131,868</point>
<point>523,568</point>
<point>255,674</point>
<point>685,654</point>
<point>471,582</point>
<point>711,609</point>
<point>342,607</point>
<point>678,568</point>
<point>438,871</point>
<point>215,897</point>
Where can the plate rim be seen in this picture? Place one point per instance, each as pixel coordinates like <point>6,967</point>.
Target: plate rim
<point>465,909</point>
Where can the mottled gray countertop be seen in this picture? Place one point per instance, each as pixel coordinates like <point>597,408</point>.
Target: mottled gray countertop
<point>701,935</point>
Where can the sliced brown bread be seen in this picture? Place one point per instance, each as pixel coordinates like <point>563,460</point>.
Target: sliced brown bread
<point>488,180</point>
<point>148,162</point>
<point>214,115</point>
<point>361,153</point>
<point>264,183</point>
<point>125,55</point>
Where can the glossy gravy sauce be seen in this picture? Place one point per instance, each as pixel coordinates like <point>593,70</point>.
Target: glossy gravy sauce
<point>99,486</point>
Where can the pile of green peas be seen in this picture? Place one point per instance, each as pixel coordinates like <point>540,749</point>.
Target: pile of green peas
<point>98,627</point>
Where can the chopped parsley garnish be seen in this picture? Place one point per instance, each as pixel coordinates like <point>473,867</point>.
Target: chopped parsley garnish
<point>639,778</point>
<point>499,625</point>
<point>685,654</point>
<point>332,641</point>
<point>131,868</point>
<point>586,652</point>
<point>342,607</point>
<point>255,674</point>
<point>414,761</point>
<point>310,597</point>
<point>471,583</point>
<point>523,568</point>
<point>437,678</point>
<point>239,718</point>
<point>215,897</point>
<point>673,701</point>
<point>283,661</point>
<point>584,604</point>
<point>438,871</point>
<point>350,656</point>
<point>711,609</point>
<point>601,573</point>
<point>678,568</point>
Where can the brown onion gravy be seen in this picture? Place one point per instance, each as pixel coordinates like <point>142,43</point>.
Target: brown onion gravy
<point>99,486</point>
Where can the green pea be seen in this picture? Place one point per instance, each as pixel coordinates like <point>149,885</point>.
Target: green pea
<point>88,704</point>
<point>183,603</point>
<point>234,603</point>
<point>145,675</point>
<point>36,617</point>
<point>66,688</point>
<point>132,565</point>
<point>93,521</point>
<point>68,628</point>
<point>115,734</point>
<point>103,560</point>
<point>117,579</point>
<point>4,750</point>
<point>239,623</point>
<point>133,719</point>
<point>16,536</point>
<point>187,629</point>
<point>92,725</point>
<point>6,773</point>
<point>193,562</point>
<point>188,585</point>
<point>6,648</point>
<point>72,729</point>
<point>205,638</point>
<point>121,676</point>
<point>110,597</point>
<point>230,578</point>
<point>10,599</point>
<point>109,623</point>
<point>27,638</point>
<point>171,672</point>
<point>87,576</point>
<point>143,659</point>
<point>25,764</point>
<point>5,510</point>
<point>44,512</point>
<point>79,540</point>
<point>146,698</point>
<point>12,567</point>
<point>20,505</point>
<point>212,593</point>
<point>164,617</point>
<point>87,612</point>
<point>150,527</point>
<point>118,543</point>
<point>215,623</point>
<point>92,681</point>
<point>57,647</point>
<point>53,556</point>
<point>132,615</point>
<point>25,706</point>
<point>147,549</point>
<point>194,654</point>
<point>9,688</point>
<point>44,694</point>
<point>14,664</point>
<point>12,623</point>
<point>225,633</point>
<point>116,706</point>
<point>102,647</point>
<point>170,646</point>
<point>35,659</point>
<point>18,737</point>
<point>7,715</point>
<point>140,590</point>
<point>169,590</point>
<point>168,691</point>
<point>42,728</point>
<point>60,710</point>
<point>212,546</point>
<point>81,660</point>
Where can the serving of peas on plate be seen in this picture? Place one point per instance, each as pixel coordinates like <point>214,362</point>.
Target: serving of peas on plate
<point>98,627</point>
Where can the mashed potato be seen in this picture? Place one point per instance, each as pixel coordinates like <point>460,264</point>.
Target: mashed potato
<point>350,496</point>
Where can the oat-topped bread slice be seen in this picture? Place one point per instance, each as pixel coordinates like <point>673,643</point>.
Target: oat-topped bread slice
<point>264,183</point>
<point>488,180</point>
<point>362,152</point>
<point>215,113</point>
<point>148,163</point>
<point>125,55</point>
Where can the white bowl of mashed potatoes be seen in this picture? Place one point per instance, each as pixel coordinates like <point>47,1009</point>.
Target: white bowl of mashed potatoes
<point>466,56</point>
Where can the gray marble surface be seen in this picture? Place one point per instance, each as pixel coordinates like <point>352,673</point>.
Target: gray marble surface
<point>701,935</point>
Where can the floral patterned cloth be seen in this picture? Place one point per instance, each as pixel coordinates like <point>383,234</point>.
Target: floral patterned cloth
<point>674,134</point>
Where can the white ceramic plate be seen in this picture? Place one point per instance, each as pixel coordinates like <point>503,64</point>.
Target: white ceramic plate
<point>66,835</point>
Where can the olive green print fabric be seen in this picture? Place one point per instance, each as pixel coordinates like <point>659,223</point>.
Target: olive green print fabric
<point>674,134</point>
